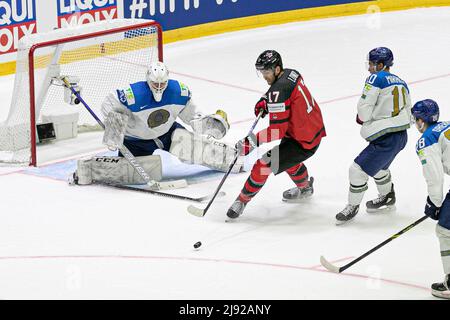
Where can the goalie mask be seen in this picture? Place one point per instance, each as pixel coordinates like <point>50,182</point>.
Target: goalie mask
<point>157,79</point>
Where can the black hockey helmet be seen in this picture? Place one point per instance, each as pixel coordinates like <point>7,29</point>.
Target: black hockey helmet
<point>269,59</point>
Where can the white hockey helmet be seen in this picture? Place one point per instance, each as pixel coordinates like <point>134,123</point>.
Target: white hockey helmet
<point>157,79</point>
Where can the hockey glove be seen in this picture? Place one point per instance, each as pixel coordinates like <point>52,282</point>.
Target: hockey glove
<point>431,210</point>
<point>261,105</point>
<point>112,104</point>
<point>246,145</point>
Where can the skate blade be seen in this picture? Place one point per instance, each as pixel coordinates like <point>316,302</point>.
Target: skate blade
<point>441,294</point>
<point>339,222</point>
<point>382,209</point>
<point>296,200</point>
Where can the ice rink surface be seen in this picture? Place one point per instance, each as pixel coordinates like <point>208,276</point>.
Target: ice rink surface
<point>62,242</point>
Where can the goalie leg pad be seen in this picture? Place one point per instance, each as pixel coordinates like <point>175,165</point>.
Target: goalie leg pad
<point>196,149</point>
<point>117,170</point>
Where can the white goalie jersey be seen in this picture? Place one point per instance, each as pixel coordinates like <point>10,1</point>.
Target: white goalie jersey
<point>384,106</point>
<point>149,119</point>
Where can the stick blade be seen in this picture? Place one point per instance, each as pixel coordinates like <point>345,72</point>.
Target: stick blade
<point>196,211</point>
<point>208,197</point>
<point>327,265</point>
<point>169,185</point>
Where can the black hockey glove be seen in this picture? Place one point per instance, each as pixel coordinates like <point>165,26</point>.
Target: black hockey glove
<point>431,210</point>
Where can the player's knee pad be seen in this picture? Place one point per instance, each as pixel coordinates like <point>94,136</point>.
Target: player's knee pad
<point>197,149</point>
<point>117,170</point>
<point>443,235</point>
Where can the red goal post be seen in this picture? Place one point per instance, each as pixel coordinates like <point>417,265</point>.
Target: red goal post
<point>102,56</point>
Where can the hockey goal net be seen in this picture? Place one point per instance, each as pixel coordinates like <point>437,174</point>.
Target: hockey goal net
<point>102,56</point>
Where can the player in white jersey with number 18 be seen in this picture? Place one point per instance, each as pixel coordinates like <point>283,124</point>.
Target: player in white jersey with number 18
<point>384,113</point>
<point>433,149</point>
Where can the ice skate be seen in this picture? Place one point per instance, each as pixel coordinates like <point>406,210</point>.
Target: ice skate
<point>382,203</point>
<point>298,194</point>
<point>349,212</point>
<point>441,289</point>
<point>236,209</point>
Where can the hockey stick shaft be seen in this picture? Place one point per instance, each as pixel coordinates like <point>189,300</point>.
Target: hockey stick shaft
<point>158,193</point>
<point>229,168</point>
<point>124,150</point>
<point>395,236</point>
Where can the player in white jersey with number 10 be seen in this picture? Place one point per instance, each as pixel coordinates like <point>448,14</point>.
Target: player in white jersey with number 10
<point>384,113</point>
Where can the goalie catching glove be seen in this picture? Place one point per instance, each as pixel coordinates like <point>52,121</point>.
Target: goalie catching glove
<point>215,125</point>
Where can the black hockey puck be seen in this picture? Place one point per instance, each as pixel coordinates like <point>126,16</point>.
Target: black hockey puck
<point>197,245</point>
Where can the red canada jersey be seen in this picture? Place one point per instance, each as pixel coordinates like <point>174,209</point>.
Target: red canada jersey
<point>293,112</point>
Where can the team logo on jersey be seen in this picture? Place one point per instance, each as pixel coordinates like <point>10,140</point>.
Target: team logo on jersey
<point>157,118</point>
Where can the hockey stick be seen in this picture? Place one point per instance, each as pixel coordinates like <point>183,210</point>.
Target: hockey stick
<point>336,269</point>
<point>201,212</point>
<point>127,153</point>
<point>154,192</point>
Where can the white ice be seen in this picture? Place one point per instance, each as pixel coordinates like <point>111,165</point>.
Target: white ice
<point>64,242</point>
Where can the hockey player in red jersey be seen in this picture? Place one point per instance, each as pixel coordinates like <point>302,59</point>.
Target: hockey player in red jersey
<point>296,119</point>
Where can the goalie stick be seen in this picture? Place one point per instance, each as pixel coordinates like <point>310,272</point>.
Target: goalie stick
<point>330,267</point>
<point>124,150</point>
<point>201,212</point>
<point>158,193</point>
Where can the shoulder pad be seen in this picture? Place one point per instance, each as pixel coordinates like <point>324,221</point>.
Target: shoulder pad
<point>282,89</point>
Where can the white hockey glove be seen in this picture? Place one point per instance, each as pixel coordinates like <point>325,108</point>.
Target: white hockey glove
<point>215,125</point>
<point>115,127</point>
<point>111,103</point>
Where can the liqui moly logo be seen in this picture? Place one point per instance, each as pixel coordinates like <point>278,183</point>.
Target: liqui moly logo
<point>78,12</point>
<point>17,19</point>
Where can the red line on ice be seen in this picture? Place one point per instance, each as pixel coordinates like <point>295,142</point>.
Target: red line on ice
<point>263,264</point>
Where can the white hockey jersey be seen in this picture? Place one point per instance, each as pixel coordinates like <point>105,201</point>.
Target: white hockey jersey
<point>384,106</point>
<point>150,119</point>
<point>433,149</point>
